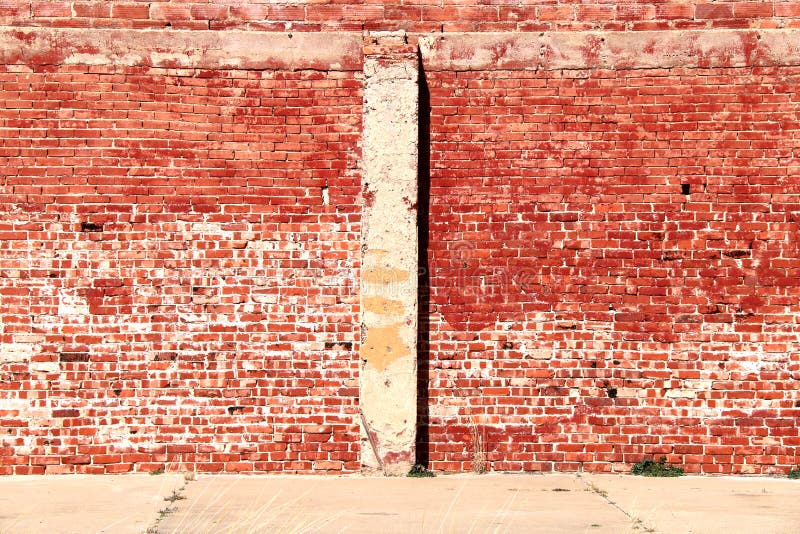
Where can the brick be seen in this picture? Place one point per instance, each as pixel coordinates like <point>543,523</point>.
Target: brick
<point>714,11</point>
<point>675,11</point>
<point>130,11</point>
<point>596,12</point>
<point>209,12</point>
<point>555,12</point>
<point>51,9</point>
<point>753,10</point>
<point>787,9</point>
<point>170,12</point>
<point>196,202</point>
<point>14,8</point>
<point>489,285</point>
<point>248,12</point>
<point>417,17</point>
<point>92,10</point>
<point>612,253</point>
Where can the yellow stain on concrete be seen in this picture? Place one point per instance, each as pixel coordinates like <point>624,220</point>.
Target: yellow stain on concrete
<point>383,346</point>
<point>384,276</point>
<point>383,306</point>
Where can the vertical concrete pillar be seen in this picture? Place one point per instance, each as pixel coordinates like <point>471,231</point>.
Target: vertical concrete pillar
<point>389,258</point>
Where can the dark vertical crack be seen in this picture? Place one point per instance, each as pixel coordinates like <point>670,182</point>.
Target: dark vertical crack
<point>424,290</point>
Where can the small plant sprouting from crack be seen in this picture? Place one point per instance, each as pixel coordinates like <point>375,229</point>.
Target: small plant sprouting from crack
<point>639,524</point>
<point>420,471</point>
<point>159,471</point>
<point>636,523</point>
<point>164,512</point>
<point>794,474</point>
<point>176,496</point>
<point>479,465</point>
<point>651,468</point>
<point>593,487</point>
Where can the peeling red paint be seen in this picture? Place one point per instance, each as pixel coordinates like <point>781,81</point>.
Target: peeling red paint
<point>398,457</point>
<point>26,37</point>
<point>590,50</point>
<point>751,47</point>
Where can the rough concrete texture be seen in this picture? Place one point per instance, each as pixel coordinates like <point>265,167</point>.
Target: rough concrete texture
<point>84,503</point>
<point>703,504</point>
<point>552,504</point>
<point>610,50</point>
<point>182,49</point>
<point>388,396</point>
<point>457,503</point>
<point>491,503</point>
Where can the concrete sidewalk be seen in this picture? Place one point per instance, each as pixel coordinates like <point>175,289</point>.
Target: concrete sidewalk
<point>84,503</point>
<point>455,503</point>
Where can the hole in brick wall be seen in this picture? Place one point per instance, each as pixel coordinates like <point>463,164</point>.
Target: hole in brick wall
<point>797,404</point>
<point>736,254</point>
<point>235,410</point>
<point>686,189</point>
<point>508,345</point>
<point>91,227</point>
<point>346,345</point>
<point>326,199</point>
<point>612,393</point>
<point>73,356</point>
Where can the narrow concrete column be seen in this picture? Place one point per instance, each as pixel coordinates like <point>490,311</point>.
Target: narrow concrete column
<point>389,259</point>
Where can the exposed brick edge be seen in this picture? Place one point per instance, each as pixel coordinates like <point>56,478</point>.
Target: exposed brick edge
<point>182,49</point>
<point>610,50</point>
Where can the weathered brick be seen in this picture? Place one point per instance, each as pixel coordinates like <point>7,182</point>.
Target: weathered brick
<point>613,258</point>
<point>575,278</point>
<point>452,15</point>
<point>177,282</point>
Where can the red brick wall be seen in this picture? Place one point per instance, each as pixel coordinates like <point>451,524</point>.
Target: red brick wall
<point>614,255</point>
<point>180,257</point>
<point>420,16</point>
<point>585,312</point>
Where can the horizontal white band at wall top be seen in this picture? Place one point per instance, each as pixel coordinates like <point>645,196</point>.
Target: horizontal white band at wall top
<point>200,49</point>
<point>610,50</point>
<point>343,51</point>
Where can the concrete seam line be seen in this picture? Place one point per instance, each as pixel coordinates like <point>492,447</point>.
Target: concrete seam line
<point>600,492</point>
<point>371,439</point>
<point>610,50</point>
<point>241,50</point>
